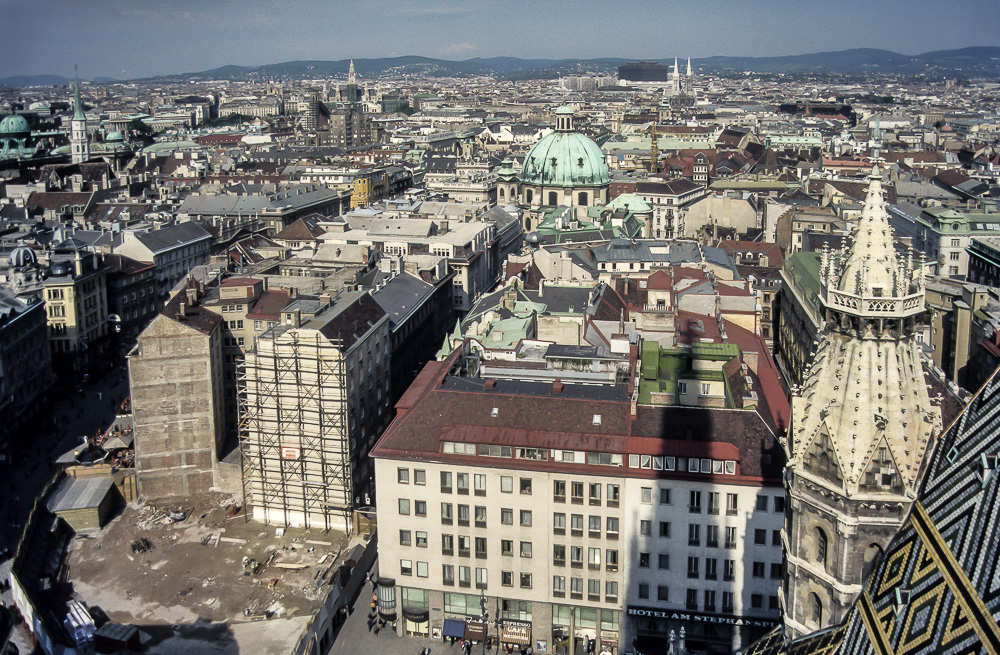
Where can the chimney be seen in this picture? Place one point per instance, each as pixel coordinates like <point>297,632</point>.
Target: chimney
<point>557,386</point>
<point>491,383</point>
<point>182,311</point>
<point>326,299</point>
<point>192,296</point>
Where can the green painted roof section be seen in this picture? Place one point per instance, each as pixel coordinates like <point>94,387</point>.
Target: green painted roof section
<point>565,159</point>
<point>661,368</point>
<point>565,109</point>
<point>803,269</point>
<point>947,220</point>
<point>630,202</point>
<point>170,146</point>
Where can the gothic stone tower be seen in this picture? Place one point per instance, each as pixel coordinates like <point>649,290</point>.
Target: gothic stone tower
<point>79,143</point>
<point>861,424</point>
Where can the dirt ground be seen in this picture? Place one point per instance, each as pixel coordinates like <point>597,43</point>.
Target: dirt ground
<point>192,579</point>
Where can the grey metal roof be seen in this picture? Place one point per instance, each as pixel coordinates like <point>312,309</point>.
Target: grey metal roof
<point>172,236</point>
<point>400,295</point>
<point>79,493</point>
<point>291,198</point>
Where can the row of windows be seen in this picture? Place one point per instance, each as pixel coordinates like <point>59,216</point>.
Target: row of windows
<point>713,499</point>
<point>709,598</point>
<point>683,464</point>
<point>534,454</point>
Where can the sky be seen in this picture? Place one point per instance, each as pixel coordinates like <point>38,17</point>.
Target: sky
<point>156,37</point>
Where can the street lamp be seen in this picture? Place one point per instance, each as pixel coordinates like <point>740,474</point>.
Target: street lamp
<point>485,617</point>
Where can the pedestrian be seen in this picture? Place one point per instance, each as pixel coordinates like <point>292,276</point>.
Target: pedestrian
<point>371,624</point>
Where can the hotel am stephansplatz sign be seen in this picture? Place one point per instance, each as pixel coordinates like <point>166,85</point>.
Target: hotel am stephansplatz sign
<point>699,617</point>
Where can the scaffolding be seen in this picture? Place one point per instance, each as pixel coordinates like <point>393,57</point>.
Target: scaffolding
<point>294,432</point>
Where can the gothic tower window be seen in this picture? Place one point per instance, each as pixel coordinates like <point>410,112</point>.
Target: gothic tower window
<point>553,198</point>
<point>821,547</point>
<point>817,609</point>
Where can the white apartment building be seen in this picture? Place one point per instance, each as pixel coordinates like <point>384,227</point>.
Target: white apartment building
<point>576,517</point>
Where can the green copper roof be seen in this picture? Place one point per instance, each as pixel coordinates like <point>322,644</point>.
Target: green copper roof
<point>565,159</point>
<point>14,125</point>
<point>631,202</point>
<point>78,114</point>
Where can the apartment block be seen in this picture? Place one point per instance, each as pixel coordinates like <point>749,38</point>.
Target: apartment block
<point>576,515</point>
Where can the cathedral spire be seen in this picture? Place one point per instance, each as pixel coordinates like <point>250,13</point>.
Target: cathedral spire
<point>689,67</point>
<point>861,424</point>
<point>352,77</point>
<point>78,114</point>
<point>78,138</point>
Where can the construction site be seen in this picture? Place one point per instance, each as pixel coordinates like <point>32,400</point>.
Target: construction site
<point>195,577</point>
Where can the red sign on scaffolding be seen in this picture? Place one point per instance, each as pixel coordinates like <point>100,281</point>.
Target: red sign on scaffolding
<point>290,452</point>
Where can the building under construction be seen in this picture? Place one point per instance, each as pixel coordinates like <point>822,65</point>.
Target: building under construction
<point>314,399</point>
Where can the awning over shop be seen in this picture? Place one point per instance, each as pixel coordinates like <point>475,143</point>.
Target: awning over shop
<point>454,628</point>
<point>415,615</point>
<point>475,631</point>
<point>518,634</point>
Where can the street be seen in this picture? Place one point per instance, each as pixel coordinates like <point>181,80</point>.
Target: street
<point>72,415</point>
<point>354,637</point>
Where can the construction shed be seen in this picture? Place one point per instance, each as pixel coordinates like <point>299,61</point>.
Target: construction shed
<point>84,503</point>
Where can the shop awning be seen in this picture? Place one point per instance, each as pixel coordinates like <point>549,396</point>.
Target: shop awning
<point>475,631</point>
<point>454,628</point>
<point>415,615</point>
<point>519,635</point>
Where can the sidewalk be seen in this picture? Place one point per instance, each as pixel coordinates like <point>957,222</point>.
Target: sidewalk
<point>355,638</point>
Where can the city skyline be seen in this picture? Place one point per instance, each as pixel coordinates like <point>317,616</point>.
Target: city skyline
<point>189,37</point>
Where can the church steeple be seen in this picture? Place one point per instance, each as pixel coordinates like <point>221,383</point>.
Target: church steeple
<point>861,425</point>
<point>79,141</point>
<point>352,77</point>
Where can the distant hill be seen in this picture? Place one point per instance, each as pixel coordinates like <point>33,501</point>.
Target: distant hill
<point>966,62</point>
<point>47,80</point>
<point>963,63</point>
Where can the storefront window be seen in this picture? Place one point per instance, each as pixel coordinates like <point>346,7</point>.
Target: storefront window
<point>561,614</point>
<point>516,609</point>
<point>609,620</point>
<point>415,599</point>
<point>461,604</point>
<point>585,617</point>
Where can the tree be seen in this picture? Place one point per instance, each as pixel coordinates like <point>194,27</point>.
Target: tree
<point>136,126</point>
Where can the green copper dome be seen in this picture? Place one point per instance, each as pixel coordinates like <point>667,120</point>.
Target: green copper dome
<point>565,158</point>
<point>14,125</point>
